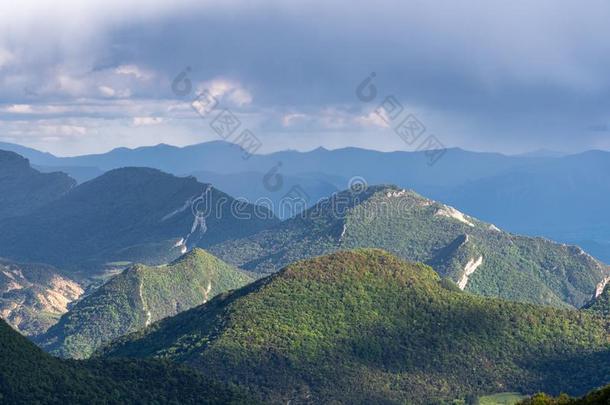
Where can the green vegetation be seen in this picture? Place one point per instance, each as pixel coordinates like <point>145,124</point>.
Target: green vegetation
<point>30,376</point>
<point>505,398</point>
<point>597,397</point>
<point>137,297</point>
<point>518,268</point>
<point>366,327</point>
<point>600,305</point>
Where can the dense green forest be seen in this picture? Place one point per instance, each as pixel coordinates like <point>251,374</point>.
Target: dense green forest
<point>366,327</point>
<point>30,376</point>
<point>137,297</point>
<point>597,397</point>
<point>402,222</point>
<point>601,304</point>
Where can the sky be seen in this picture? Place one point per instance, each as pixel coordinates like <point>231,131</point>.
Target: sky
<point>83,77</point>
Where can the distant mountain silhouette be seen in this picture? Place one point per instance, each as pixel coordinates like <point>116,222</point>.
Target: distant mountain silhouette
<point>540,193</point>
<point>130,214</point>
<point>23,189</point>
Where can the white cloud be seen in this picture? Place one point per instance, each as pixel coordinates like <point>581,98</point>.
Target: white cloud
<point>290,119</point>
<point>19,109</point>
<point>71,85</point>
<point>107,91</point>
<point>229,90</point>
<point>6,57</point>
<point>133,70</point>
<point>372,119</point>
<point>143,121</point>
<point>63,130</point>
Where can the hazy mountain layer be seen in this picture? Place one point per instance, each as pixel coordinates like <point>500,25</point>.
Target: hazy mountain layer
<point>133,215</point>
<point>23,189</point>
<point>561,197</point>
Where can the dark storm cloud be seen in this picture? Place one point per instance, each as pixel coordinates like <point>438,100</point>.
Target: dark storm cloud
<point>488,74</point>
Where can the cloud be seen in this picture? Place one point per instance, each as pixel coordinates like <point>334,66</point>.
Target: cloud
<point>6,57</point>
<point>69,130</point>
<point>519,75</point>
<point>372,119</point>
<point>290,119</point>
<point>135,71</point>
<point>19,109</point>
<point>107,91</point>
<point>228,90</point>
<point>144,121</point>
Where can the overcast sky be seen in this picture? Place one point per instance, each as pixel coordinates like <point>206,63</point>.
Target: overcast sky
<point>482,75</point>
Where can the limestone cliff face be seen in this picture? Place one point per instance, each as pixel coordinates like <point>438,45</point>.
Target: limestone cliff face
<point>34,296</point>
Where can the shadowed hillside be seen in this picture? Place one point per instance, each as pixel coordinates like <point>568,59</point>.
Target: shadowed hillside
<point>366,327</point>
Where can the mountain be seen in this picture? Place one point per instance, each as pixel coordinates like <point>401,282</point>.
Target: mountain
<point>366,327</point>
<point>23,189</point>
<point>226,158</point>
<point>477,256</point>
<point>35,156</point>
<point>80,174</point>
<point>30,376</point>
<point>137,297</point>
<point>560,197</point>
<point>34,296</point>
<point>264,187</point>
<point>565,199</point>
<point>128,215</point>
<point>542,153</point>
<point>600,304</point>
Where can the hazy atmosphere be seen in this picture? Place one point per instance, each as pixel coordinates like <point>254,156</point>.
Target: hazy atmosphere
<point>511,77</point>
<point>304,202</point>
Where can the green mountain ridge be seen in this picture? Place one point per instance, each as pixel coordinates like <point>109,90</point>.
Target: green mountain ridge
<point>366,327</point>
<point>129,214</point>
<point>30,376</point>
<point>477,256</point>
<point>137,297</point>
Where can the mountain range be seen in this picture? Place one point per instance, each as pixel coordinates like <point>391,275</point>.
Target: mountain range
<point>477,256</point>
<point>562,197</point>
<point>136,215</point>
<point>135,298</point>
<point>113,267</point>
<point>23,189</point>
<point>363,326</point>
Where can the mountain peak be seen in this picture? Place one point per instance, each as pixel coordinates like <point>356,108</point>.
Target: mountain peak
<point>417,229</point>
<point>24,189</point>
<point>11,160</point>
<point>345,326</point>
<point>139,296</point>
<point>358,263</point>
<point>196,255</point>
